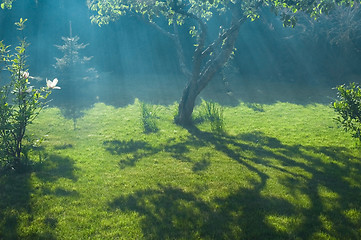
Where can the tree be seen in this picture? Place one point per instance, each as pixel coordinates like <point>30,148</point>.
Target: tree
<point>210,55</point>
<point>72,66</point>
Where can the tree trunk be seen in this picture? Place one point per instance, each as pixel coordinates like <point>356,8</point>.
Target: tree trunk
<point>187,103</point>
<point>199,82</point>
<point>207,61</point>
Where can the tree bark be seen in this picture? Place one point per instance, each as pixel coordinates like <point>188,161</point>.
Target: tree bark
<point>186,105</point>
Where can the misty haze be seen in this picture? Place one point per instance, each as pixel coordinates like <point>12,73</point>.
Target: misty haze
<point>179,119</point>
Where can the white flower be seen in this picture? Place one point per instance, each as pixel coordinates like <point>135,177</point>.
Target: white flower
<point>52,84</point>
<point>25,75</point>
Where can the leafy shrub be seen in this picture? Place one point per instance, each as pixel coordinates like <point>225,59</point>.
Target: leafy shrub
<point>20,104</point>
<point>149,116</point>
<point>213,113</point>
<point>348,107</point>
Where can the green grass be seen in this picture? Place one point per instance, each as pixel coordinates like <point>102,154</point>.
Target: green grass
<point>213,113</point>
<point>281,171</point>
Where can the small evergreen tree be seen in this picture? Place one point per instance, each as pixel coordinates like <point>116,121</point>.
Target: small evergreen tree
<point>73,69</point>
<point>72,66</point>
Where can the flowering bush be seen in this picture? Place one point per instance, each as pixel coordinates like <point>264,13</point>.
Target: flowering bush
<point>20,103</point>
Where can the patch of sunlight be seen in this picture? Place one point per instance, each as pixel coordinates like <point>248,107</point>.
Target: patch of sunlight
<point>300,199</point>
<point>326,223</point>
<point>284,224</point>
<point>353,215</point>
<point>295,196</point>
<point>330,199</point>
<point>322,235</point>
<point>236,230</point>
<point>353,178</point>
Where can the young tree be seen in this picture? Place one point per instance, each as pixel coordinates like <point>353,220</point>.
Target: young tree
<point>72,66</point>
<point>20,104</point>
<point>210,55</point>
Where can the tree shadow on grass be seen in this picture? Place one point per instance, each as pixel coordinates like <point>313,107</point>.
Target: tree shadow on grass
<point>321,179</point>
<point>316,195</point>
<point>133,151</point>
<point>172,213</point>
<point>16,201</point>
<point>56,167</point>
<point>202,165</point>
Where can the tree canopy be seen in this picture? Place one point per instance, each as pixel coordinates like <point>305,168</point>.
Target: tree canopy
<point>212,49</point>
<point>6,4</point>
<point>210,55</point>
<point>178,10</point>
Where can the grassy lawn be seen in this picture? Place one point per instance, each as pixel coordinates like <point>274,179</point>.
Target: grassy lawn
<point>281,171</point>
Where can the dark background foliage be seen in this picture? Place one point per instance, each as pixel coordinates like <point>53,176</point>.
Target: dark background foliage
<point>267,53</point>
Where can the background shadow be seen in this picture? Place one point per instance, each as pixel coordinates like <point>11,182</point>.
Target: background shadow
<point>16,190</point>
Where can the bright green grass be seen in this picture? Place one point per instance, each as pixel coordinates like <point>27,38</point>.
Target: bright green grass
<point>283,171</point>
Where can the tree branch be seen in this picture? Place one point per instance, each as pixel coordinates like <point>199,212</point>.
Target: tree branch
<point>230,30</point>
<point>198,57</point>
<point>162,30</point>
<point>175,37</point>
<point>211,48</point>
<point>227,41</point>
<point>180,52</point>
<point>223,36</point>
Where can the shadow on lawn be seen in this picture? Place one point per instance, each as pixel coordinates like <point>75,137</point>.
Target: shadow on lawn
<point>331,187</point>
<point>133,151</point>
<point>15,194</point>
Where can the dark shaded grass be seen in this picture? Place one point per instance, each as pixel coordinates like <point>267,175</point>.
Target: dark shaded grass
<point>17,192</point>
